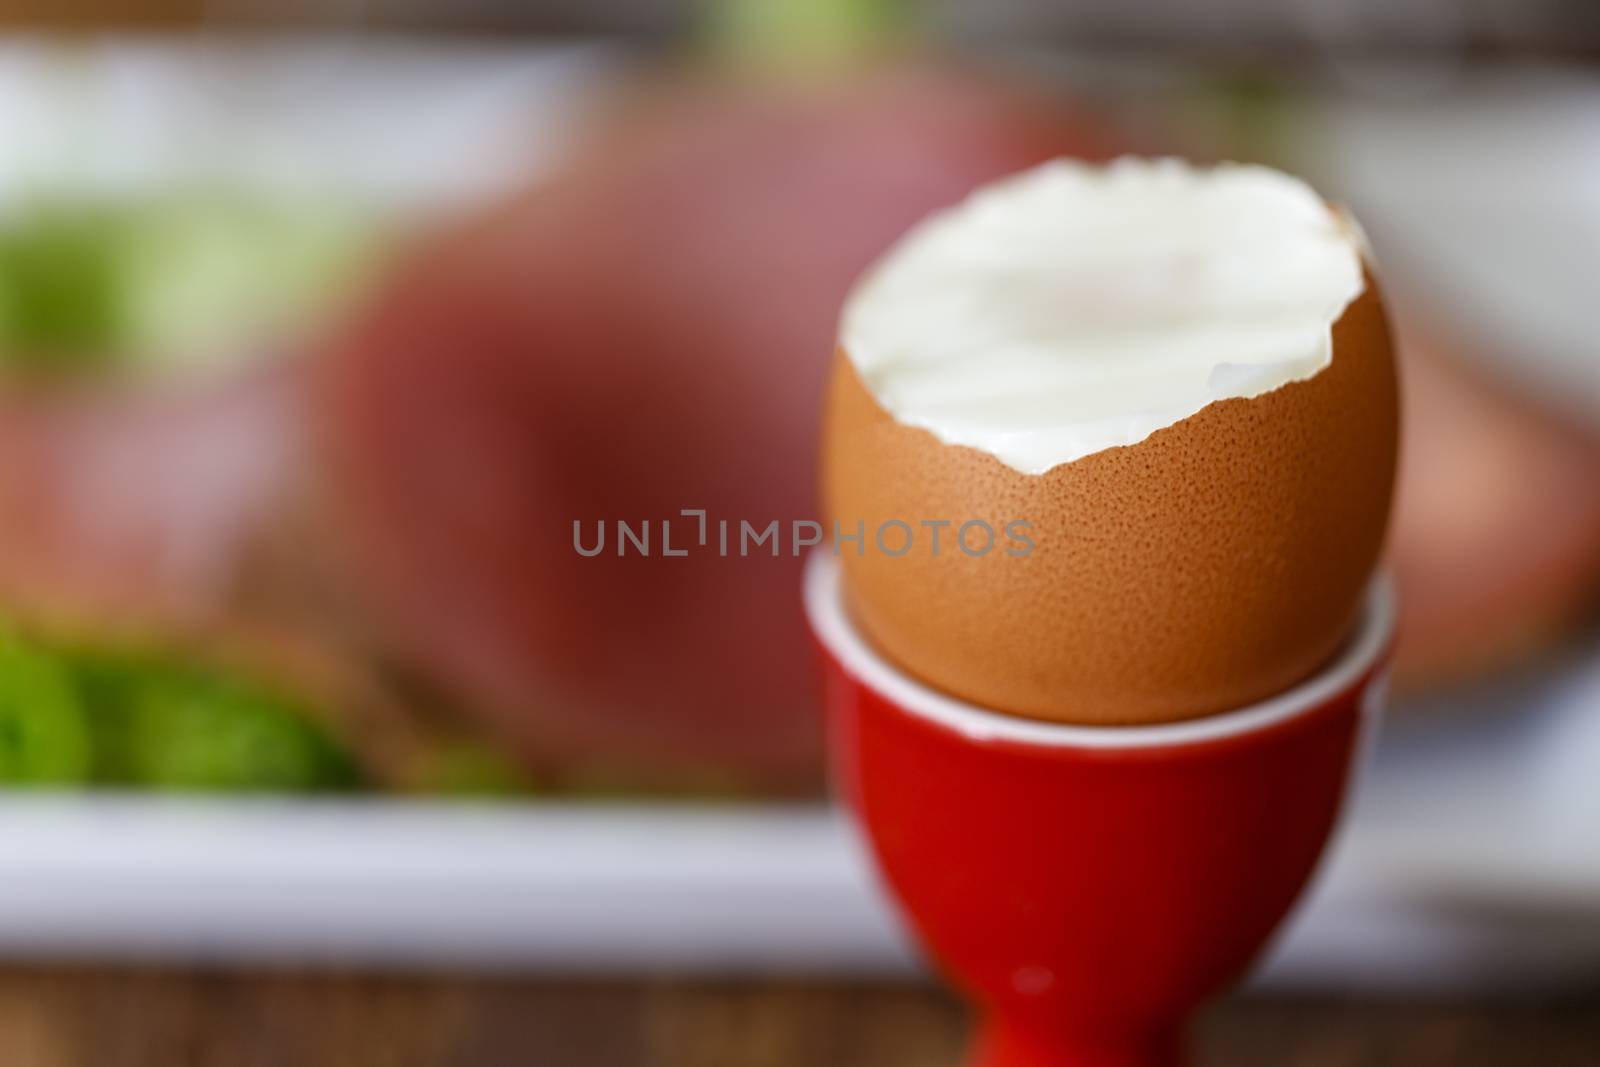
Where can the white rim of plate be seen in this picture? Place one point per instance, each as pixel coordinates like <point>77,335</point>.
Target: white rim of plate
<point>825,608</point>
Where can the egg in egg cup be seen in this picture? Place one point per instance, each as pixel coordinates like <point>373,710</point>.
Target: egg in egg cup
<point>1097,766</point>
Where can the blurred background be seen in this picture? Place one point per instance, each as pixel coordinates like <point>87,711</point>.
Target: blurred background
<point>320,324</point>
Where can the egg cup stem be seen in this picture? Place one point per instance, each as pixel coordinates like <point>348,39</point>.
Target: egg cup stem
<point>1001,1043</point>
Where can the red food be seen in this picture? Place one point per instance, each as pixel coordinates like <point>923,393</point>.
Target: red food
<point>1496,539</point>
<point>647,333</point>
<point>136,505</point>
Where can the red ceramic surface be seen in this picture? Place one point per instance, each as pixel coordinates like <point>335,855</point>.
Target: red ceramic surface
<point>1089,887</point>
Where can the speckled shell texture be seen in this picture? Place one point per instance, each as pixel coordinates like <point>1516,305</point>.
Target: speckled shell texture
<point>1215,563</point>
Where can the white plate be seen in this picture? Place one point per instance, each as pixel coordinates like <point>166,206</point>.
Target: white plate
<point>1471,863</point>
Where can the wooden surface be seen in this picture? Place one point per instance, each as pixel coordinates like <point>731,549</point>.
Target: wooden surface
<point>129,1018</point>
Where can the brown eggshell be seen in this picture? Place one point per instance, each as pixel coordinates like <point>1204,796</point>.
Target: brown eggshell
<point>1215,563</point>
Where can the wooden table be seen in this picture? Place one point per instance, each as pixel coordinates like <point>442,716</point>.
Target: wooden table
<point>141,1018</point>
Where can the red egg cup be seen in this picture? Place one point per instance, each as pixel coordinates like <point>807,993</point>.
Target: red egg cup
<point>1089,887</point>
